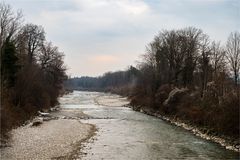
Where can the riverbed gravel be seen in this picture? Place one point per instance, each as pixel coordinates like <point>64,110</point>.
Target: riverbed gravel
<point>111,100</point>
<point>50,140</point>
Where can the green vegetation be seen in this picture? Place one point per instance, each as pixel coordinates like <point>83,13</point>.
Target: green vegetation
<point>32,70</point>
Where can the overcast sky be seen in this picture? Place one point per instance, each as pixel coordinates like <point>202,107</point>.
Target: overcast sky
<point>108,35</point>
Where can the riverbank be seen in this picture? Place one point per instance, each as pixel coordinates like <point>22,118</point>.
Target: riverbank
<point>111,100</point>
<point>126,134</point>
<point>227,142</point>
<point>57,135</point>
<point>205,133</point>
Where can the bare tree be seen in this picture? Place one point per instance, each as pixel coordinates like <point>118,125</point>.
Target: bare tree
<point>51,62</point>
<point>169,49</point>
<point>46,55</point>
<point>34,36</point>
<point>169,55</point>
<point>192,39</point>
<point>10,23</point>
<point>173,54</point>
<point>217,58</point>
<point>204,61</point>
<point>233,54</point>
<point>218,65</point>
<point>148,67</point>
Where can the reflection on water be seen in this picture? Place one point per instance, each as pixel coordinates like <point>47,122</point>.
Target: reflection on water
<point>125,134</point>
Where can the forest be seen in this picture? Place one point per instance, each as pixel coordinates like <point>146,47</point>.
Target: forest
<point>110,81</point>
<point>32,69</point>
<point>183,75</point>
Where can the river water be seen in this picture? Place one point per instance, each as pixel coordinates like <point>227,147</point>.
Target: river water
<point>124,134</point>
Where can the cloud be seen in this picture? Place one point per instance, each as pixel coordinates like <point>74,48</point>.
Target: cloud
<point>95,14</point>
<point>102,35</point>
<point>135,7</point>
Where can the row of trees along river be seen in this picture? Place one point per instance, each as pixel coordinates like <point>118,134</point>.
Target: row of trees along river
<point>32,69</point>
<point>184,75</point>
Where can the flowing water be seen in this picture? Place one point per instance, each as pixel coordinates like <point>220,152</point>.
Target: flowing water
<point>124,134</point>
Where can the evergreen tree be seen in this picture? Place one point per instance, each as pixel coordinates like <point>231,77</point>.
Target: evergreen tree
<point>9,65</point>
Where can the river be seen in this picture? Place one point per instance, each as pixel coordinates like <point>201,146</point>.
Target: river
<point>124,134</point>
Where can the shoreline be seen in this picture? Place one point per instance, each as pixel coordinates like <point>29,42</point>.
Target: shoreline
<point>59,135</point>
<point>226,142</point>
<point>191,128</point>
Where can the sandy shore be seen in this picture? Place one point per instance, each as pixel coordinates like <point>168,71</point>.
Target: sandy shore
<point>111,100</point>
<point>59,138</point>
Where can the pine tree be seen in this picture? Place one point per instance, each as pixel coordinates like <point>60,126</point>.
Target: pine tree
<point>9,65</point>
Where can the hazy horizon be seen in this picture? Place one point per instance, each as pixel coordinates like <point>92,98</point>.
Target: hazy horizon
<point>97,36</point>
